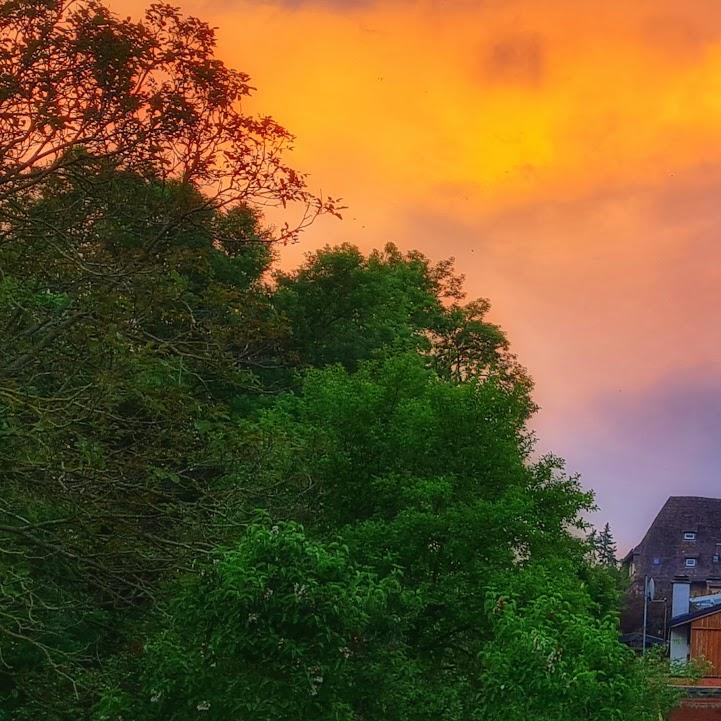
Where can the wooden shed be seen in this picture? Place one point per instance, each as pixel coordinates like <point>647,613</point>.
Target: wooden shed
<point>698,635</point>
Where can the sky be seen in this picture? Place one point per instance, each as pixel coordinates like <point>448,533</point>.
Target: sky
<point>567,154</point>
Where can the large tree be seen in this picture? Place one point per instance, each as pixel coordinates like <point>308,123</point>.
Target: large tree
<point>132,316</point>
<point>116,434</point>
<point>436,578</point>
<point>156,390</point>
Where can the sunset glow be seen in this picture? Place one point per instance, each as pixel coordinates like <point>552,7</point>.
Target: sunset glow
<point>568,155</point>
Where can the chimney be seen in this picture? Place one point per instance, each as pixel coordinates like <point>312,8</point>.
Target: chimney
<point>681,598</point>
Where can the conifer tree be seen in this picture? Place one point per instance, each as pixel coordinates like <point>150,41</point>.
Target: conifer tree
<point>606,552</point>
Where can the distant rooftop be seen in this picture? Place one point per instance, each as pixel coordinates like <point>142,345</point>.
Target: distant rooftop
<point>687,527</point>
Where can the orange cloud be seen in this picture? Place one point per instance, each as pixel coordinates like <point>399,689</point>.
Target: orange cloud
<point>567,153</point>
<point>507,101</point>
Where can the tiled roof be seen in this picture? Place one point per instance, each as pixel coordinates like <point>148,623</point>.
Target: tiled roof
<point>663,551</point>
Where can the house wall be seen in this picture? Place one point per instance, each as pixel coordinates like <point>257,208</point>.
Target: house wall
<point>706,641</point>
<point>712,621</point>
<point>679,644</point>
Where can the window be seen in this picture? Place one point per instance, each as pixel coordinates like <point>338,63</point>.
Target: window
<point>690,562</point>
<point>689,536</point>
<point>656,561</point>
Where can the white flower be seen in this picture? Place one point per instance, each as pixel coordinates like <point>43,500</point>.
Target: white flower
<point>252,617</point>
<point>203,706</point>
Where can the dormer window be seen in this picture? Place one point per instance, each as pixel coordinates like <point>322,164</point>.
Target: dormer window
<point>689,536</point>
<point>690,563</point>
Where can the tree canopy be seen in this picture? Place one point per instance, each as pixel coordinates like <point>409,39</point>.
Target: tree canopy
<point>238,490</point>
<point>146,96</point>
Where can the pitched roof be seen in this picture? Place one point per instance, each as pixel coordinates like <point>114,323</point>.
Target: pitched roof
<point>663,550</point>
<point>693,615</point>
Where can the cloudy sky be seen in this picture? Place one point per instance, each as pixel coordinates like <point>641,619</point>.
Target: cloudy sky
<point>567,153</point>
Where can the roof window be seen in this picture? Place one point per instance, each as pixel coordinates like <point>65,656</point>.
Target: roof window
<point>690,562</point>
<point>689,535</point>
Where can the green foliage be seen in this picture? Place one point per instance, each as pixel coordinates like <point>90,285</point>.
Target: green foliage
<point>279,626</point>
<point>127,345</point>
<point>156,391</point>
<point>367,438</point>
<point>688,671</point>
<point>495,613</point>
<point>345,308</point>
<point>556,658</point>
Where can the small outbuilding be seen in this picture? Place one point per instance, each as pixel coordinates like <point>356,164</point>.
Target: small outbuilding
<point>695,628</point>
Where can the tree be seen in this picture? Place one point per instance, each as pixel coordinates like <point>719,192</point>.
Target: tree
<point>343,307</point>
<point>358,435</point>
<point>602,547</point>
<point>555,657</point>
<point>425,486</point>
<point>133,319</point>
<point>296,624</point>
<point>147,96</point>
<point>117,438</point>
<point>84,89</point>
<point>466,345</point>
<point>607,548</point>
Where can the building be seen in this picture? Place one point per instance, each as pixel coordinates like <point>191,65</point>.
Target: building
<point>683,540</point>
<point>695,628</point>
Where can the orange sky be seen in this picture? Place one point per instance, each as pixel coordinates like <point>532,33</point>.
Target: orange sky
<point>568,154</point>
